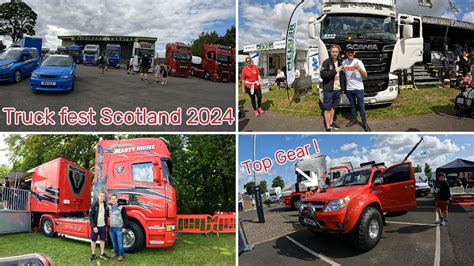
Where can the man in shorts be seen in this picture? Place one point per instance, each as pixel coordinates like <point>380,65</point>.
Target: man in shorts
<point>145,67</point>
<point>442,197</point>
<point>98,216</point>
<point>101,62</point>
<point>332,81</point>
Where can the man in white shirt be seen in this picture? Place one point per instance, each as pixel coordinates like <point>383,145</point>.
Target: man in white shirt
<point>354,70</point>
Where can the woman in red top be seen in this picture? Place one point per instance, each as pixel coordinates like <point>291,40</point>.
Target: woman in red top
<point>251,81</point>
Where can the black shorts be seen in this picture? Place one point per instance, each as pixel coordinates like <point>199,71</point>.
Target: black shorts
<point>331,99</point>
<point>100,232</point>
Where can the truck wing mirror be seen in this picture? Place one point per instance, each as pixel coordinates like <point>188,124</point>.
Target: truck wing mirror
<point>378,181</point>
<point>407,31</point>
<point>312,28</point>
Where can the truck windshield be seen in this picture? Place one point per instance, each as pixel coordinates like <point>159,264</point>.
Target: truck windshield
<point>365,27</point>
<point>112,54</point>
<point>178,56</point>
<point>142,52</point>
<point>57,61</point>
<point>353,179</point>
<point>90,52</point>
<point>223,58</point>
<point>74,53</point>
<point>10,55</point>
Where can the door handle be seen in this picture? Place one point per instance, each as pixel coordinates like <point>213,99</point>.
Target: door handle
<point>409,186</point>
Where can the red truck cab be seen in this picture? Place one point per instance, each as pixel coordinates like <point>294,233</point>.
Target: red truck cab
<point>137,170</point>
<point>356,202</point>
<point>216,63</point>
<point>178,58</point>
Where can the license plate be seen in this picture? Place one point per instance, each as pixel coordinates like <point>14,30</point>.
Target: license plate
<point>309,221</point>
<point>48,83</point>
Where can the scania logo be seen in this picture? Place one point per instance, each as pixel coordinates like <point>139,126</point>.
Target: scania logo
<point>362,46</point>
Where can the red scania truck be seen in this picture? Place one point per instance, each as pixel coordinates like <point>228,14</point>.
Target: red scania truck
<point>178,58</point>
<point>216,63</point>
<point>137,170</point>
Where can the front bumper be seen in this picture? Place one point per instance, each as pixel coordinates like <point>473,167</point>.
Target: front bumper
<point>157,234</point>
<point>6,75</point>
<point>382,97</point>
<point>422,191</point>
<point>330,222</point>
<point>59,84</point>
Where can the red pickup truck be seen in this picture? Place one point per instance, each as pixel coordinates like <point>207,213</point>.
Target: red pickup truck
<point>356,203</point>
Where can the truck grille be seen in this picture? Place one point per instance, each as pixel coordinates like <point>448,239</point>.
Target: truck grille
<point>377,65</point>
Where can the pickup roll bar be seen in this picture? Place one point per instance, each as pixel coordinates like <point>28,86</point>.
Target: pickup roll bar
<point>412,150</point>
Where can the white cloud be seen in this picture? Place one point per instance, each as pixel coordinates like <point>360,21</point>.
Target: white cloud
<point>348,146</point>
<point>469,17</point>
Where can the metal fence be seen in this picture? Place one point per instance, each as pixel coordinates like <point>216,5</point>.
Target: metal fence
<point>15,199</point>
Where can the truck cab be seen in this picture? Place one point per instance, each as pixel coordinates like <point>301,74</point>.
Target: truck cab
<point>384,41</point>
<point>18,62</point>
<point>140,49</point>
<point>216,63</point>
<point>75,51</point>
<point>178,58</point>
<point>112,53</point>
<point>91,54</point>
<point>355,204</point>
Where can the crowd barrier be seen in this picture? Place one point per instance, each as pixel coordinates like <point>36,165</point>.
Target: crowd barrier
<point>220,222</point>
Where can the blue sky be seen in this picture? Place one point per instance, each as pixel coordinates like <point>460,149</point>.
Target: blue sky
<point>436,150</point>
<point>266,20</point>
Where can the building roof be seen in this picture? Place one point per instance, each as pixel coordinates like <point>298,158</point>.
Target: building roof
<point>98,38</point>
<point>448,22</point>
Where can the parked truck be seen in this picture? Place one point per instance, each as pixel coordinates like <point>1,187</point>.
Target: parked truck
<point>112,53</point>
<point>178,58</point>
<point>275,194</point>
<point>384,41</point>
<point>355,205</point>
<point>215,63</point>
<point>62,50</point>
<point>30,42</point>
<point>137,170</point>
<point>91,54</point>
<point>310,173</point>
<point>140,49</point>
<point>76,52</point>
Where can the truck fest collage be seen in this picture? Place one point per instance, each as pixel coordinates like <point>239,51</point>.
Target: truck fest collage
<point>263,132</point>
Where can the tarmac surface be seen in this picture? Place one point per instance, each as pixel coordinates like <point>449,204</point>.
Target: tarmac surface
<point>408,239</point>
<point>434,122</point>
<point>121,92</point>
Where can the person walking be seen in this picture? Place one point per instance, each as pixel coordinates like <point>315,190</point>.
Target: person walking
<point>101,62</point>
<point>118,226</point>
<point>332,81</point>
<point>165,74</point>
<point>145,64</point>
<point>354,70</point>
<point>98,217</point>
<point>251,84</point>
<point>158,72</point>
<point>130,66</point>
<point>442,198</point>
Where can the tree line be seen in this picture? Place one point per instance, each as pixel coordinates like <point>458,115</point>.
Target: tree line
<point>203,165</point>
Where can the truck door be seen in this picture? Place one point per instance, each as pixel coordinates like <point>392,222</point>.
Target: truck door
<point>396,191</point>
<point>409,47</point>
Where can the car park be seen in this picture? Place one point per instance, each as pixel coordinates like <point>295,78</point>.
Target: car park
<point>57,73</point>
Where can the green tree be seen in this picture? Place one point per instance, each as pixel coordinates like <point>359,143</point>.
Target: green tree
<point>249,187</point>
<point>417,169</point>
<point>204,38</point>
<point>17,19</point>
<point>278,182</point>
<point>4,170</point>
<point>229,38</point>
<point>263,186</point>
<point>428,172</point>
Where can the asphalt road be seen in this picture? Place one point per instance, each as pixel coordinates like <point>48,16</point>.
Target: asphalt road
<point>408,239</point>
<point>435,122</point>
<point>121,92</point>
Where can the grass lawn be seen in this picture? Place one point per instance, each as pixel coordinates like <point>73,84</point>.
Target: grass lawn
<point>188,249</point>
<point>425,100</point>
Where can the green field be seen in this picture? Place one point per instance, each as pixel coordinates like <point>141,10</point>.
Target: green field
<point>425,100</point>
<point>189,249</point>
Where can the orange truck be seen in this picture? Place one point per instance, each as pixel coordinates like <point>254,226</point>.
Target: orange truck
<point>178,58</point>
<point>215,63</point>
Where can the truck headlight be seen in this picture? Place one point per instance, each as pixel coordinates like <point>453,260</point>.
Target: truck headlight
<point>170,227</point>
<point>337,204</point>
<point>7,66</point>
<point>392,82</point>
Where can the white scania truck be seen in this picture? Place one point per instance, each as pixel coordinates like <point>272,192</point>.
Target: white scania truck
<point>383,40</point>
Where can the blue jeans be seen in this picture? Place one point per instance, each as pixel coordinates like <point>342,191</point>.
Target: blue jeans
<point>358,95</point>
<point>117,239</point>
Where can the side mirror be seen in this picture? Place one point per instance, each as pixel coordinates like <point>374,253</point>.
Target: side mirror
<point>407,31</point>
<point>312,28</point>
<point>378,181</point>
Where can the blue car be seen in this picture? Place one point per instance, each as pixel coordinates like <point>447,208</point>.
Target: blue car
<point>16,63</point>
<point>57,73</point>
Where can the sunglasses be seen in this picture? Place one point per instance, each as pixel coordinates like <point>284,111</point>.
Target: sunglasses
<point>248,61</point>
<point>350,52</point>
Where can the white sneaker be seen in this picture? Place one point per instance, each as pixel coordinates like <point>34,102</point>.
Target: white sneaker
<point>443,223</point>
<point>439,221</point>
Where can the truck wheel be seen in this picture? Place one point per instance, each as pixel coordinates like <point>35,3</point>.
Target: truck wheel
<point>368,230</point>
<point>295,202</point>
<point>47,227</point>
<point>133,238</point>
<point>17,76</point>
<point>207,76</point>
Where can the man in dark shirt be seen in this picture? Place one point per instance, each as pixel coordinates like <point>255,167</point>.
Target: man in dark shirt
<point>442,198</point>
